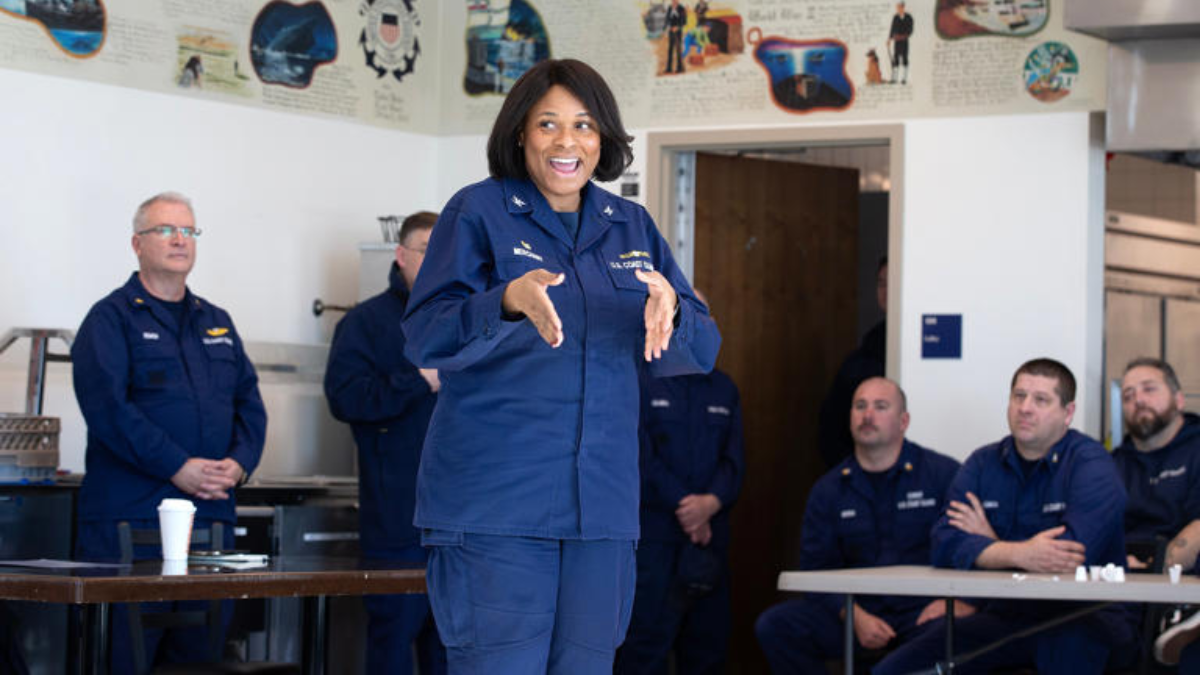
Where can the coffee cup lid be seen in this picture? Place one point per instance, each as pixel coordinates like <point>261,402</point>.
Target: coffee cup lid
<point>176,505</point>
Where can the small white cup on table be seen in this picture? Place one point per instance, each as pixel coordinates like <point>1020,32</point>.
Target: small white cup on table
<point>175,517</point>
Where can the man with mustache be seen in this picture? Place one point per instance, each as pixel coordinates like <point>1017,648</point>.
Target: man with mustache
<point>1159,462</point>
<point>873,509</point>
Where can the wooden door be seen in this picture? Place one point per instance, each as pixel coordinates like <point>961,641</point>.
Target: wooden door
<point>776,253</point>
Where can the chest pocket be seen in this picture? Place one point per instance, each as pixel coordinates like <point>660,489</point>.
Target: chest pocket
<point>624,273</point>
<point>222,365</point>
<point>718,415</point>
<point>857,537</point>
<point>665,418</point>
<point>511,268</point>
<point>910,531</point>
<point>156,368</point>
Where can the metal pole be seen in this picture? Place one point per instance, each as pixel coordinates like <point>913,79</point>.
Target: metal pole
<point>315,634</point>
<point>848,636</point>
<point>949,635</point>
<point>35,393</point>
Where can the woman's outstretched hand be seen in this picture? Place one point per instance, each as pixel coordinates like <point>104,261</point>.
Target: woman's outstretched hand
<point>527,295</point>
<point>660,313</point>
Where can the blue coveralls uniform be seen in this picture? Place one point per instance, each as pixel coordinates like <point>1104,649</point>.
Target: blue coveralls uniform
<point>155,393</point>
<point>386,401</point>
<point>691,443</point>
<point>849,523</point>
<point>1163,485</point>
<point>1074,485</point>
<point>530,467</point>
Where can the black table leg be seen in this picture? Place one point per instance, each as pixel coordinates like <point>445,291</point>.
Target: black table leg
<point>316,635</point>
<point>77,637</point>
<point>949,635</point>
<point>848,636</point>
<point>90,626</point>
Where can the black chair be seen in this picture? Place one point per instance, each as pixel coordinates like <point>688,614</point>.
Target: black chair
<point>210,617</point>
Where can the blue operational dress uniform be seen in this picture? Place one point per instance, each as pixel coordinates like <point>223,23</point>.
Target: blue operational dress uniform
<point>530,466</point>
<point>855,518</point>
<point>691,444</point>
<point>1074,485</point>
<point>1163,485</point>
<point>157,386</point>
<point>386,401</point>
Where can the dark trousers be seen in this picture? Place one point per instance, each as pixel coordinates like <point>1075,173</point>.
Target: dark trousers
<point>675,50</point>
<point>798,636</point>
<point>507,604</point>
<point>1189,660</point>
<point>667,616</point>
<point>900,52</point>
<point>97,540</point>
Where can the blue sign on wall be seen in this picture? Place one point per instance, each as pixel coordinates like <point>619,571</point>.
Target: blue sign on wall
<point>941,336</point>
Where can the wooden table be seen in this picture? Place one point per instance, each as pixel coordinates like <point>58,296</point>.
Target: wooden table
<point>313,579</point>
<point>943,583</point>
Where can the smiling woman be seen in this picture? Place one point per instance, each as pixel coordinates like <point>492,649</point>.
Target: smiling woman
<point>539,295</point>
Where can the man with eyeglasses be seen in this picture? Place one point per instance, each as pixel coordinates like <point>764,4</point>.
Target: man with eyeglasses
<point>172,410</point>
<point>387,401</point>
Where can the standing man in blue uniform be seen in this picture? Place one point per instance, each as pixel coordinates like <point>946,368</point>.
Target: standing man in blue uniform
<point>873,509</point>
<point>1044,499</point>
<point>691,467</point>
<point>1159,463</point>
<point>388,402</point>
<point>171,404</point>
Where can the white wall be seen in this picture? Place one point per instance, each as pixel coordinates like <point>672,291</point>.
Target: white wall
<point>283,201</point>
<point>464,161</point>
<point>999,225</point>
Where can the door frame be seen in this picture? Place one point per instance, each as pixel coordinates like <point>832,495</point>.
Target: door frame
<point>662,147</point>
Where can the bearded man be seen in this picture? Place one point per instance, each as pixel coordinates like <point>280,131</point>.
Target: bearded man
<point>1159,463</point>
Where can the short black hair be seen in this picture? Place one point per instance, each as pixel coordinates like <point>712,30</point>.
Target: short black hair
<point>1162,366</point>
<point>1052,369</point>
<point>506,158</point>
<point>421,220</point>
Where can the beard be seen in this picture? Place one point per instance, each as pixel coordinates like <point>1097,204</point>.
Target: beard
<point>1142,427</point>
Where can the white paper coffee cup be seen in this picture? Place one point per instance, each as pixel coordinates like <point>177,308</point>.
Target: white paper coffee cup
<point>174,568</point>
<point>175,518</point>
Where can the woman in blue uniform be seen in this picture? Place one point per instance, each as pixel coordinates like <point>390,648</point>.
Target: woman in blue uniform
<point>540,297</point>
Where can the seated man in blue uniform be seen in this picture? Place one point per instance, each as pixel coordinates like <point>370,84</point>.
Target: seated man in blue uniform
<point>873,509</point>
<point>388,402</point>
<point>1159,463</point>
<point>691,467</point>
<point>172,409</point>
<point>1044,499</point>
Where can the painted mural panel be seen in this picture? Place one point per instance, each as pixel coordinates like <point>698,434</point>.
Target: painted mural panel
<point>445,67</point>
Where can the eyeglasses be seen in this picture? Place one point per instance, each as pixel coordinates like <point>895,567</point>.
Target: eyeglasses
<point>168,231</point>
